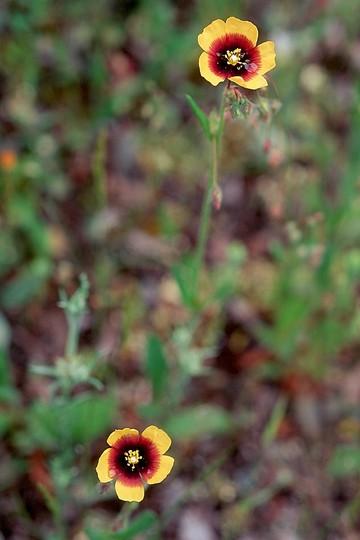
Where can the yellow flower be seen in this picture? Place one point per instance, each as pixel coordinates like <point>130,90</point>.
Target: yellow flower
<point>231,53</point>
<point>133,459</point>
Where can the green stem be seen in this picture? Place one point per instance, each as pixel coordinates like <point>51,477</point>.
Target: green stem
<point>125,515</point>
<point>202,235</point>
<point>53,505</point>
<point>222,118</point>
<point>73,334</point>
<point>99,170</point>
<point>206,206</point>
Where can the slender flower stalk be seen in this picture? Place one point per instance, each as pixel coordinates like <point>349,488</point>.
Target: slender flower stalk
<point>216,130</point>
<point>203,233</point>
<point>230,54</point>
<point>74,307</point>
<point>73,335</point>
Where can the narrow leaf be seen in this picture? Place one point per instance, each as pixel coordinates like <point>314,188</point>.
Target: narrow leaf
<point>141,523</point>
<point>156,366</point>
<point>275,420</point>
<point>197,422</point>
<point>200,115</point>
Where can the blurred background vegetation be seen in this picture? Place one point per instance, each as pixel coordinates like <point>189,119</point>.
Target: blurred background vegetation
<point>103,169</point>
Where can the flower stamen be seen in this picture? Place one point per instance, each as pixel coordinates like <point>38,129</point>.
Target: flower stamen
<point>234,57</point>
<point>132,458</point>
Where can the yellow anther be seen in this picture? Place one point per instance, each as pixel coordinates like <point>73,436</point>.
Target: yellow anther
<point>132,458</point>
<point>234,57</point>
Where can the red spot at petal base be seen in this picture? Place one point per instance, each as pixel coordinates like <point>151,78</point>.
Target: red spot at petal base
<point>146,467</point>
<point>250,62</point>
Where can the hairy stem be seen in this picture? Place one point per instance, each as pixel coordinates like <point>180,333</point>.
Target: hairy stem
<point>206,205</point>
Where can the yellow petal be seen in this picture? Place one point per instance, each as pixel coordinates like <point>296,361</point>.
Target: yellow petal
<point>129,493</point>
<point>119,433</point>
<point>267,55</point>
<point>252,84</point>
<point>165,466</point>
<point>158,437</point>
<point>245,28</point>
<point>210,33</point>
<point>206,72</point>
<point>102,468</point>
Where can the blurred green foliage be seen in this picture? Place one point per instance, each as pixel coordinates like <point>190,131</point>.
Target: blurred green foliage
<point>103,169</point>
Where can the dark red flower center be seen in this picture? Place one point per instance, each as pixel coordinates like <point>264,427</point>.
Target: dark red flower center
<point>234,55</point>
<point>132,456</point>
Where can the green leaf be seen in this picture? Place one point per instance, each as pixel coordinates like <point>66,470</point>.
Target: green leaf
<point>43,426</point>
<point>5,333</point>
<point>80,421</point>
<point>200,115</point>
<point>7,389</point>
<point>25,284</point>
<point>275,420</point>
<point>89,416</point>
<point>5,422</point>
<point>345,461</point>
<point>183,274</point>
<point>198,422</point>
<point>156,366</point>
<point>24,209</point>
<point>141,523</point>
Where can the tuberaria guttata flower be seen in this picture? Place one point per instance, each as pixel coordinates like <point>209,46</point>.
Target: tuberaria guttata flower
<point>133,459</point>
<point>231,53</point>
